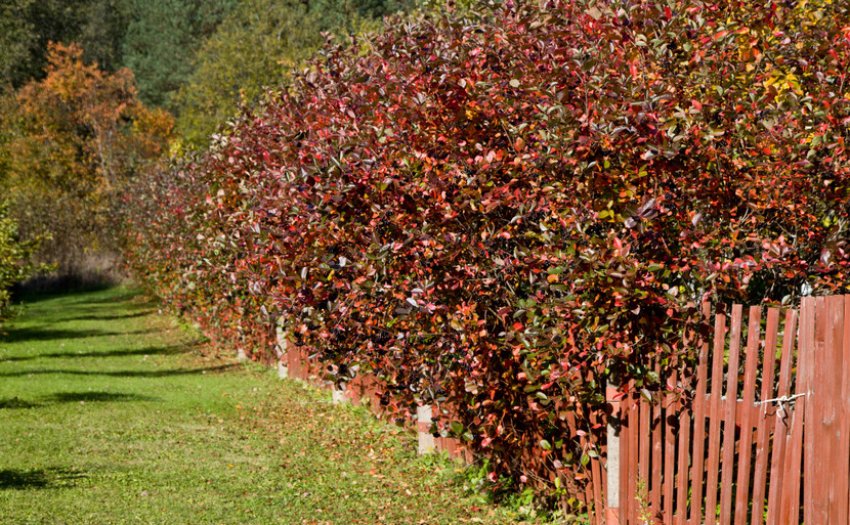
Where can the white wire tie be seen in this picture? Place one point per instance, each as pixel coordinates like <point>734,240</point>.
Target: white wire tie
<point>781,402</point>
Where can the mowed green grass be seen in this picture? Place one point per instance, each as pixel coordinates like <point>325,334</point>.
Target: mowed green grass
<point>113,414</point>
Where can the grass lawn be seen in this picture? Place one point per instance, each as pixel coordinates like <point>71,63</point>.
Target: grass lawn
<point>113,414</point>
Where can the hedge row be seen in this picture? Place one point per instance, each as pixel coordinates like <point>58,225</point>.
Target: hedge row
<point>503,211</point>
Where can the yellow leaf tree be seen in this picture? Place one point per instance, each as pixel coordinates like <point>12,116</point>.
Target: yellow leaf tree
<point>80,135</point>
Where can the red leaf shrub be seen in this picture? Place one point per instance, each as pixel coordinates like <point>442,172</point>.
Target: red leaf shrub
<point>501,212</point>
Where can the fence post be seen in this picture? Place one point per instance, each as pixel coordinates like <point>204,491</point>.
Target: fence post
<point>612,496</point>
<point>338,394</point>
<point>427,444</point>
<point>282,368</point>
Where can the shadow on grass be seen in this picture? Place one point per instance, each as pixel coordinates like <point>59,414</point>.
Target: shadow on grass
<point>53,477</point>
<point>17,335</point>
<point>41,289</point>
<point>120,373</point>
<point>90,301</point>
<point>73,397</point>
<point>113,317</point>
<point>150,350</point>
<point>123,297</point>
<point>88,305</point>
<point>95,397</point>
<point>15,403</point>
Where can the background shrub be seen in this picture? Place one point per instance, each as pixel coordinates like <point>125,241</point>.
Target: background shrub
<point>14,259</point>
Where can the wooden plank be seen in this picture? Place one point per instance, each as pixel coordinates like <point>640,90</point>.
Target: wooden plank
<point>572,425</point>
<point>450,445</point>
<point>614,518</point>
<point>793,479</point>
<point>626,463</point>
<point>669,447</point>
<point>634,443</point>
<point>644,454</point>
<point>700,410</point>
<point>596,470</point>
<point>642,428</point>
<point>782,421</point>
<point>682,467</point>
<point>714,436</point>
<point>842,492</point>
<point>730,404</point>
<point>837,480</point>
<point>823,389</point>
<point>762,436</point>
<point>801,445</point>
<point>654,486</point>
<point>844,413</point>
<point>745,444</point>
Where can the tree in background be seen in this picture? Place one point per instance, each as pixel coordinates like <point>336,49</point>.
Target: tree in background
<point>257,46</point>
<point>77,137</point>
<point>16,40</point>
<point>72,127</point>
<point>200,59</point>
<point>101,32</point>
<point>27,26</point>
<point>157,39</point>
<point>161,39</point>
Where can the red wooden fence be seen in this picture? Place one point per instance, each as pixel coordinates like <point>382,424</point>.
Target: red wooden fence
<point>758,432</point>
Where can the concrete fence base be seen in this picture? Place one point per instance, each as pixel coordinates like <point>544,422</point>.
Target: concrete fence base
<point>338,395</point>
<point>612,506</point>
<point>427,442</point>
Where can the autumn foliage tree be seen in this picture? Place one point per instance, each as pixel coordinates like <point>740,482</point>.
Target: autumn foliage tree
<point>79,136</point>
<point>503,212</point>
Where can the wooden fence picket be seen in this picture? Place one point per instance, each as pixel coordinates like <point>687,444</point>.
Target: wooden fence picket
<point>782,421</point>
<point>762,443</point>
